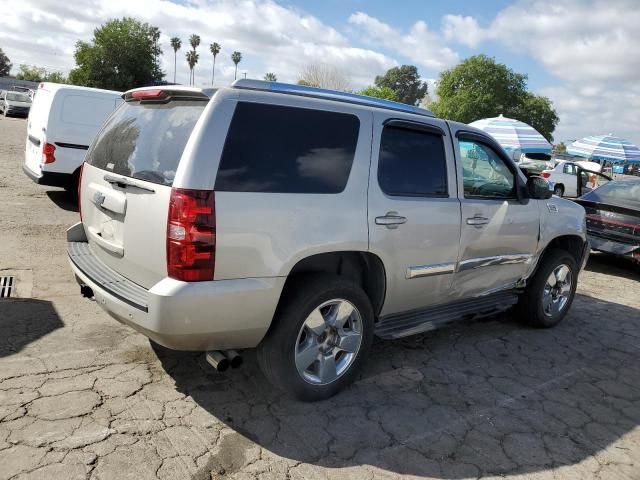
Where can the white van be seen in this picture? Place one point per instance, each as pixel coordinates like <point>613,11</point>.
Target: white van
<point>61,126</point>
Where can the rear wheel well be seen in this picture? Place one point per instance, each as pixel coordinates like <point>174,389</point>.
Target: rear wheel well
<point>363,268</point>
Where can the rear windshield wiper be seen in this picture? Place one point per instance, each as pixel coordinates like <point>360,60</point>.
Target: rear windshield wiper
<point>126,182</point>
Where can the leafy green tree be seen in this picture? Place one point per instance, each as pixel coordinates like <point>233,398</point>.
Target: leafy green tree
<point>5,64</point>
<point>405,83</point>
<point>192,59</point>
<point>214,48</point>
<point>379,92</point>
<point>538,112</point>
<point>270,77</point>
<point>194,40</point>
<point>236,57</point>
<point>120,56</point>
<point>560,148</point>
<point>176,43</point>
<point>479,87</point>
<point>31,73</point>
<point>56,77</point>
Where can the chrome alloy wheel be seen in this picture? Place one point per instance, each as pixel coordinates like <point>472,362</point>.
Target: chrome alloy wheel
<point>557,290</point>
<point>328,342</point>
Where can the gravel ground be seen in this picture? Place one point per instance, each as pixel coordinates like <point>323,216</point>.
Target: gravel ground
<point>82,396</point>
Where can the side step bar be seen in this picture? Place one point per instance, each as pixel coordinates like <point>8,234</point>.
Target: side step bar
<point>419,321</point>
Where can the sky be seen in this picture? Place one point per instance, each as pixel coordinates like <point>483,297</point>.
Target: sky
<point>583,54</point>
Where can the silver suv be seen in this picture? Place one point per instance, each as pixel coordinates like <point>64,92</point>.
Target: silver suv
<point>302,222</point>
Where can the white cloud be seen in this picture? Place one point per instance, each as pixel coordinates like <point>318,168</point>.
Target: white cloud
<point>589,45</point>
<point>271,37</point>
<point>419,44</point>
<point>463,29</point>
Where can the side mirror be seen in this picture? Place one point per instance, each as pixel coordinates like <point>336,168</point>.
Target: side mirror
<point>538,188</point>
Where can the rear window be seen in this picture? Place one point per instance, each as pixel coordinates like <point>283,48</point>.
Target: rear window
<point>622,193</point>
<point>280,149</point>
<point>146,141</point>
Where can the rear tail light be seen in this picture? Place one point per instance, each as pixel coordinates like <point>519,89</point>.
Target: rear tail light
<point>191,235</point>
<point>48,153</point>
<point>545,174</point>
<point>79,189</point>
<point>154,94</point>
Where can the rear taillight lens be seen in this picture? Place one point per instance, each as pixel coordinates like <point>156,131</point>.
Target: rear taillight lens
<point>545,174</point>
<point>79,189</point>
<point>191,235</point>
<point>48,153</point>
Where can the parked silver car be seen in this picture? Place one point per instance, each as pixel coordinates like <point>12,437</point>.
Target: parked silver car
<point>15,103</point>
<point>302,222</point>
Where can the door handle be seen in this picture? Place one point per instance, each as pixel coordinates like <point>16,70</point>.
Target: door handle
<point>477,221</point>
<point>391,220</point>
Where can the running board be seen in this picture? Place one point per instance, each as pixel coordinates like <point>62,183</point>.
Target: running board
<point>418,321</point>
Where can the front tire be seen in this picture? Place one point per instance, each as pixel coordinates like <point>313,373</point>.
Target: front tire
<point>548,297</point>
<point>320,337</point>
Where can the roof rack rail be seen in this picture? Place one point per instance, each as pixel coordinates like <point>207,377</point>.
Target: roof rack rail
<point>305,91</point>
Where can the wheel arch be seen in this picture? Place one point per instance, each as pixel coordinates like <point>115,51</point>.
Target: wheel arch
<point>363,268</point>
<point>574,244</point>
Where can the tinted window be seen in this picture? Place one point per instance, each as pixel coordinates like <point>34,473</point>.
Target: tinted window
<point>146,141</point>
<point>412,162</point>
<point>485,174</point>
<point>625,193</point>
<point>287,150</point>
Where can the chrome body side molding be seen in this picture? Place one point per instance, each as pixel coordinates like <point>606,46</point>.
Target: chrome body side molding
<point>429,270</point>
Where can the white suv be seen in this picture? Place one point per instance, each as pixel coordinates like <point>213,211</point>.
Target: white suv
<point>303,221</point>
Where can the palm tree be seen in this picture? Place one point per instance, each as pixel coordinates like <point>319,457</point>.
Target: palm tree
<point>176,43</point>
<point>214,48</point>
<point>270,77</point>
<point>192,59</point>
<point>194,40</point>
<point>236,57</point>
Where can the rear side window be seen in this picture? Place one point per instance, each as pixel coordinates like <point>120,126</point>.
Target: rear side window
<point>280,149</point>
<point>85,110</point>
<point>146,141</point>
<point>412,163</point>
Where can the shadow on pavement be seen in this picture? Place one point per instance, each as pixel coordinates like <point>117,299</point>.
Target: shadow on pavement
<point>613,265</point>
<point>480,398</point>
<point>23,321</point>
<point>63,199</point>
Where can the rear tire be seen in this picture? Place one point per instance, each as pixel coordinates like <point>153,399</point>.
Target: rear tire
<point>319,339</point>
<point>558,190</point>
<point>549,295</point>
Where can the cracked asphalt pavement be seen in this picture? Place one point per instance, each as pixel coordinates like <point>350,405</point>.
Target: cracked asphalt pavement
<point>82,396</point>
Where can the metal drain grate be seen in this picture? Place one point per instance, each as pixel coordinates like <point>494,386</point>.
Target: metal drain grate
<point>7,285</point>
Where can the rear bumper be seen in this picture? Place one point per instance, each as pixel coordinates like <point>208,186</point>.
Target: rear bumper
<point>617,248</point>
<point>52,179</point>
<point>222,314</point>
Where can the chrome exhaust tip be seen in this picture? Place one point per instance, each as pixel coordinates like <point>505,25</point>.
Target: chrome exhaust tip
<point>217,360</point>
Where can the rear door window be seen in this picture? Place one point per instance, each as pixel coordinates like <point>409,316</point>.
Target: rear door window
<point>278,149</point>
<point>412,163</point>
<point>146,141</point>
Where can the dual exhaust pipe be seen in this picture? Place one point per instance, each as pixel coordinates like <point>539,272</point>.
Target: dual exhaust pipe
<point>221,361</point>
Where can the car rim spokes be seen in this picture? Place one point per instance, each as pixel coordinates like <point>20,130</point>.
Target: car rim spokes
<point>557,290</point>
<point>328,342</point>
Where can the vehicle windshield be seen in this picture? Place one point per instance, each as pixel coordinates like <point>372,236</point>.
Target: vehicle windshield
<point>624,193</point>
<point>146,141</point>
<point>18,97</point>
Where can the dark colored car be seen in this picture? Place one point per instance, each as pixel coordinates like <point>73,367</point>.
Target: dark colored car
<point>613,217</point>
